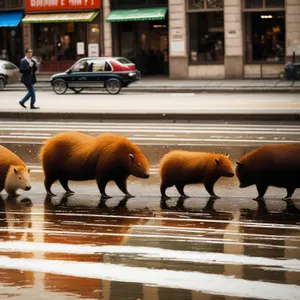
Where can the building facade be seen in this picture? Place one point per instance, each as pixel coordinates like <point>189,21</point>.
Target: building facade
<point>11,35</point>
<point>207,38</point>
<point>61,32</point>
<point>222,39</point>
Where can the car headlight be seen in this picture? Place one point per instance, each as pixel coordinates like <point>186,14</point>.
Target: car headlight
<point>131,74</point>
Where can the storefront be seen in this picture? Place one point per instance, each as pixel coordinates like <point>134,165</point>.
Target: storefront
<point>140,33</point>
<point>64,31</point>
<point>11,44</point>
<point>265,37</point>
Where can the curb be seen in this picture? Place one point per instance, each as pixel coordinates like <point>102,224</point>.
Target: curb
<point>100,117</point>
<point>165,89</point>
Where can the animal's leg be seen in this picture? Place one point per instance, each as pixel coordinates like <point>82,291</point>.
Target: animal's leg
<point>64,183</point>
<point>209,186</point>
<point>49,180</point>
<point>180,189</point>
<point>122,185</point>
<point>261,188</point>
<point>102,182</point>
<point>163,187</point>
<point>290,192</point>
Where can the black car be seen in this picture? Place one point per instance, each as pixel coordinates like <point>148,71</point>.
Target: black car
<point>111,73</point>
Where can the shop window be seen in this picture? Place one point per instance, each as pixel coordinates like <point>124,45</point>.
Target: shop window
<point>206,37</point>
<point>11,3</point>
<point>205,4</point>
<point>259,4</point>
<point>265,36</point>
<point>253,3</point>
<point>274,3</point>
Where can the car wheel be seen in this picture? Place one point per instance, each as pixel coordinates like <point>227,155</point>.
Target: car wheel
<point>113,86</point>
<point>2,83</point>
<point>60,86</point>
<point>77,90</point>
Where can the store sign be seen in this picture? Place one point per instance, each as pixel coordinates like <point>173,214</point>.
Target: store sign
<point>51,5</point>
<point>177,43</point>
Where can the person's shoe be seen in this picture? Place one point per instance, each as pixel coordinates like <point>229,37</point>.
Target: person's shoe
<point>34,107</point>
<point>22,104</point>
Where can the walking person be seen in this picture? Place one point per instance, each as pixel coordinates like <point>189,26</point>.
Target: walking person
<point>28,68</point>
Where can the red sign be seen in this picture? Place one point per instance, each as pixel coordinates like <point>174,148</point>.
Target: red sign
<point>54,5</point>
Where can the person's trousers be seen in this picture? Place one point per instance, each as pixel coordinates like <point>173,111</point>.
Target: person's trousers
<point>30,94</point>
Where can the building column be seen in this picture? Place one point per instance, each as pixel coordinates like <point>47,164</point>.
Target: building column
<point>107,29</point>
<point>233,36</point>
<point>292,28</point>
<point>178,59</point>
<point>26,36</point>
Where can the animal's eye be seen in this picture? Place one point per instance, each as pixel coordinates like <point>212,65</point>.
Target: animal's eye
<point>20,177</point>
<point>139,165</point>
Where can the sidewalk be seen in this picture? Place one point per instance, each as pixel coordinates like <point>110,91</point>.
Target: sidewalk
<point>100,106</point>
<point>166,85</point>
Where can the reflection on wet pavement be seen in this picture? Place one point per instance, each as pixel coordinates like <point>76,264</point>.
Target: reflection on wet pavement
<point>177,249</point>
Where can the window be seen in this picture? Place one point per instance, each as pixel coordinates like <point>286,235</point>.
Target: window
<point>9,66</point>
<point>206,31</point>
<point>206,37</point>
<point>11,3</point>
<point>99,66</point>
<point>258,4</point>
<point>264,31</point>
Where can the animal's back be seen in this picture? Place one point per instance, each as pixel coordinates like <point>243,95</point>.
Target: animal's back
<point>7,158</point>
<point>282,157</point>
<point>184,164</point>
<point>64,151</point>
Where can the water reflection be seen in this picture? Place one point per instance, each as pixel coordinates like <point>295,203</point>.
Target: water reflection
<point>180,225</point>
<point>12,218</point>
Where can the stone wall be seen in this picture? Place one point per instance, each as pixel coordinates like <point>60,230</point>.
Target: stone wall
<point>233,38</point>
<point>177,39</point>
<point>107,31</point>
<point>292,29</point>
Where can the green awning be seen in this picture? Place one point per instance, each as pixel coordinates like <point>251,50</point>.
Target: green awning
<point>61,17</point>
<point>142,14</point>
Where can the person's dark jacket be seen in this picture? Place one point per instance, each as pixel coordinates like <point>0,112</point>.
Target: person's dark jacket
<point>28,73</point>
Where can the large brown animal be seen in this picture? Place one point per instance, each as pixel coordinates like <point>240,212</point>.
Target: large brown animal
<point>14,174</point>
<point>180,168</point>
<point>77,156</point>
<point>271,165</point>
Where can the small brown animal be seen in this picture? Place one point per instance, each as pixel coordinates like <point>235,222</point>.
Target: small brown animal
<point>180,168</point>
<point>77,156</point>
<point>271,165</point>
<point>14,174</point>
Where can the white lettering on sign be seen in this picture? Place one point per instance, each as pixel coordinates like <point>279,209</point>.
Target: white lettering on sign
<point>55,3</point>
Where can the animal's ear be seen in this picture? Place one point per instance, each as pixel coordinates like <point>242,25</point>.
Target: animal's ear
<point>131,156</point>
<point>228,155</point>
<point>217,161</point>
<point>15,170</point>
<point>29,171</point>
<point>239,164</point>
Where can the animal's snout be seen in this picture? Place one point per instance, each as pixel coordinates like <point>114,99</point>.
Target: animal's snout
<point>28,188</point>
<point>230,174</point>
<point>146,175</point>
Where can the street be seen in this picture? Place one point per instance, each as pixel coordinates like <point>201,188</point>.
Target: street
<point>102,102</point>
<point>82,247</point>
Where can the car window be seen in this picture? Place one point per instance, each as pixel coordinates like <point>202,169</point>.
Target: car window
<point>9,66</point>
<point>81,66</point>
<point>124,60</point>
<point>99,66</point>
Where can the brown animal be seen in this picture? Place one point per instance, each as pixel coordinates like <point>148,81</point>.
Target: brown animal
<point>271,165</point>
<point>76,156</point>
<point>180,168</point>
<point>14,174</point>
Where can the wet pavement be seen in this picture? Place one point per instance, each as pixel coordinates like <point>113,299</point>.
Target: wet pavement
<point>82,247</point>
